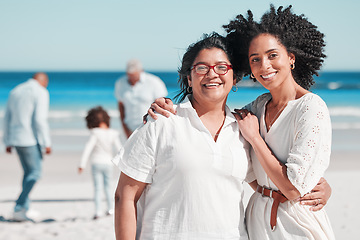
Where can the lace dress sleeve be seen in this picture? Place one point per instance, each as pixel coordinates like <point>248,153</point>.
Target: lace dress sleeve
<point>310,153</point>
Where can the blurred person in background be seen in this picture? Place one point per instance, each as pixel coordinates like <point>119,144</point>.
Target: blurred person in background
<point>100,150</point>
<point>26,129</point>
<point>135,92</point>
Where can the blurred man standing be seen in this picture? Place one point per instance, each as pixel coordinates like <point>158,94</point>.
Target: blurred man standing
<point>26,129</point>
<point>135,92</point>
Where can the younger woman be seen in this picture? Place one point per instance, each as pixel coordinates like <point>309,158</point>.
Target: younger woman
<point>289,128</point>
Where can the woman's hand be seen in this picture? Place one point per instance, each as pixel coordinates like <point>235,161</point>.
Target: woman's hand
<point>162,106</point>
<point>248,124</point>
<point>318,197</point>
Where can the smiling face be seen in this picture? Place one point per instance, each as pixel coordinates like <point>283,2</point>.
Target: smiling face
<point>211,87</point>
<point>269,61</point>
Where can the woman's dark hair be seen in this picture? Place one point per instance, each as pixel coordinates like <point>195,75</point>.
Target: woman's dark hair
<point>214,40</point>
<point>299,36</point>
<point>95,116</point>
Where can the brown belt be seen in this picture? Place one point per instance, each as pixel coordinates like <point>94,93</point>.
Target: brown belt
<point>278,198</point>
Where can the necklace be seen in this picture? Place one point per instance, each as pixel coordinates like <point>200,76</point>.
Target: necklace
<point>276,115</point>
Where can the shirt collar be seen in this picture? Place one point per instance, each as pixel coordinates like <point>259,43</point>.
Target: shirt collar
<point>229,117</point>
<point>34,81</point>
<point>142,76</point>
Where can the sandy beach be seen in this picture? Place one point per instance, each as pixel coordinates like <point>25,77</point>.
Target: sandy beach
<point>64,199</point>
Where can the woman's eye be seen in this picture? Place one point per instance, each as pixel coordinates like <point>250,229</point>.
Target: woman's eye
<point>255,60</point>
<point>273,55</point>
<point>201,68</point>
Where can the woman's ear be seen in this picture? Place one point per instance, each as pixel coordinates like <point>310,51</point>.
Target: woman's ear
<point>189,80</point>
<point>291,58</point>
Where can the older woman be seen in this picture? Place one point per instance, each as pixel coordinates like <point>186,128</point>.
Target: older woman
<point>190,168</point>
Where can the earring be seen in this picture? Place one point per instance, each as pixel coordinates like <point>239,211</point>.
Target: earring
<point>236,88</point>
<point>292,66</point>
<point>189,89</point>
<point>252,76</point>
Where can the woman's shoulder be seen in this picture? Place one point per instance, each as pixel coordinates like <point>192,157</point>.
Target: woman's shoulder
<point>311,106</point>
<point>258,102</point>
<point>311,100</point>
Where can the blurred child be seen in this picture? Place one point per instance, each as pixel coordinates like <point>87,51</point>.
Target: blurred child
<point>100,150</point>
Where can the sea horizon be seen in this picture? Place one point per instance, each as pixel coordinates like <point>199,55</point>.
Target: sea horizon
<point>73,93</point>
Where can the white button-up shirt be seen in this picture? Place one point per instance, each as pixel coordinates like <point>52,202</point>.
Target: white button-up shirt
<point>25,121</point>
<point>138,98</point>
<point>195,185</point>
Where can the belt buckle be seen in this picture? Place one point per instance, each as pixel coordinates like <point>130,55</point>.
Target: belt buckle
<point>262,191</point>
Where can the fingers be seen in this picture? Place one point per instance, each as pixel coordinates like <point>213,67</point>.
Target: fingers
<point>163,104</point>
<point>243,113</point>
<point>151,113</point>
<point>237,116</point>
<point>315,204</point>
<point>170,105</point>
<point>145,117</point>
<point>48,150</point>
<point>317,207</point>
<point>314,199</point>
<point>8,149</point>
<point>155,107</point>
<point>312,202</point>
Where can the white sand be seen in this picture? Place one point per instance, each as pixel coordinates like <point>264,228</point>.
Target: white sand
<point>65,197</point>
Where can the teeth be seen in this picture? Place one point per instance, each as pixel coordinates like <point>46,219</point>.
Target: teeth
<point>268,76</point>
<point>212,84</point>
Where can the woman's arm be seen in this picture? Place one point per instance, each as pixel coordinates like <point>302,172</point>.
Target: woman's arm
<point>162,106</point>
<point>318,197</point>
<point>253,185</point>
<point>249,127</point>
<point>127,194</point>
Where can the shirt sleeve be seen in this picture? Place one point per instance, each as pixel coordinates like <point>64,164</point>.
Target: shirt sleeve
<point>117,90</point>
<point>250,174</point>
<point>7,117</point>
<point>310,154</point>
<point>89,146</point>
<point>41,119</point>
<point>137,158</point>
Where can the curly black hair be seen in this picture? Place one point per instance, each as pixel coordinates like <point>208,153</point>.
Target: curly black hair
<point>213,40</point>
<point>95,116</point>
<point>298,35</point>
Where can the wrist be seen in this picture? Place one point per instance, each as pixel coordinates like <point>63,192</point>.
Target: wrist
<point>255,140</point>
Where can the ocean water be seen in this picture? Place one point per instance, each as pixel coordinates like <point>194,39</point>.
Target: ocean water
<point>73,93</point>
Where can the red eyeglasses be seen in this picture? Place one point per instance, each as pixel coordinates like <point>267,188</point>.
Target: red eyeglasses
<point>203,69</point>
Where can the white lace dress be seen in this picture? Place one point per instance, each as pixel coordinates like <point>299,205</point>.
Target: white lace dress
<point>301,139</point>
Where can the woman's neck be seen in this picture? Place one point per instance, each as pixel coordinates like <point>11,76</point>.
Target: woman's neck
<point>212,115</point>
<point>286,92</point>
<point>214,109</point>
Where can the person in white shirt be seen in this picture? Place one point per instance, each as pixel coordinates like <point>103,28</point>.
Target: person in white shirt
<point>26,129</point>
<point>289,128</point>
<point>100,150</point>
<point>134,93</point>
<point>189,168</point>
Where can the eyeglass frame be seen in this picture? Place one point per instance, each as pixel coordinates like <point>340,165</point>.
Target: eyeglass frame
<point>228,66</point>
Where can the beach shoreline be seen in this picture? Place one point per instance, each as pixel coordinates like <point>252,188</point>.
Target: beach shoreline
<point>64,198</point>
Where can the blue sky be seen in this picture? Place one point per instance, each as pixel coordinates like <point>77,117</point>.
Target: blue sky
<point>87,35</point>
